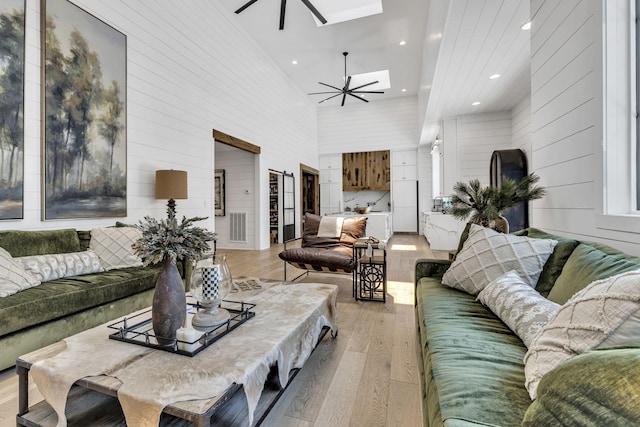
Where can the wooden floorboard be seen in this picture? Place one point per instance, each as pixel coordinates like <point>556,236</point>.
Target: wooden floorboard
<point>367,376</point>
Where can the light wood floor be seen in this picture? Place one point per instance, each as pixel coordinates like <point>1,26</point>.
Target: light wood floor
<point>367,376</point>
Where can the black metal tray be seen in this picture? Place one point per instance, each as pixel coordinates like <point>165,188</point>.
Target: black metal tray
<point>137,329</point>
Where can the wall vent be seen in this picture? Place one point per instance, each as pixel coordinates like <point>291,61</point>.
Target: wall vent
<point>238,227</point>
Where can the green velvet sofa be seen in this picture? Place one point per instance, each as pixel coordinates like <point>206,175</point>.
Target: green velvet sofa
<point>36,317</point>
<point>472,369</point>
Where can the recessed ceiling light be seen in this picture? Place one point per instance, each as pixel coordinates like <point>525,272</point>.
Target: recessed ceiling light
<point>494,76</point>
<point>402,43</point>
<point>294,62</point>
<point>404,90</point>
<point>526,26</point>
<point>476,103</point>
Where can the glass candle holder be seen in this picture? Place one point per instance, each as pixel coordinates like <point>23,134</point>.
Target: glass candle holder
<point>210,283</point>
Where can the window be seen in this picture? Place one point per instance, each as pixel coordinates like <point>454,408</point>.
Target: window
<point>435,168</point>
<point>636,158</point>
<point>621,165</point>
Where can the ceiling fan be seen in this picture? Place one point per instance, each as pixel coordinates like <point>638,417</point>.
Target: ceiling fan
<point>345,90</point>
<point>283,7</point>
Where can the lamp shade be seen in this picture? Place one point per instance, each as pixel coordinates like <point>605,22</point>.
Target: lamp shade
<point>171,184</point>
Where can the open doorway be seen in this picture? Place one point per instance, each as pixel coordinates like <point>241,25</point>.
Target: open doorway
<point>237,163</point>
<point>309,192</point>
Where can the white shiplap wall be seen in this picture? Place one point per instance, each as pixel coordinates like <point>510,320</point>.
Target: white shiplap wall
<point>567,119</point>
<point>471,140</point>
<point>521,128</point>
<point>381,125</point>
<point>191,68</point>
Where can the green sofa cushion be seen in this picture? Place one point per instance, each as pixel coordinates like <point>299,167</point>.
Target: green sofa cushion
<point>482,380</point>
<point>587,263</point>
<point>609,397</point>
<point>553,267</point>
<point>23,243</point>
<point>59,298</point>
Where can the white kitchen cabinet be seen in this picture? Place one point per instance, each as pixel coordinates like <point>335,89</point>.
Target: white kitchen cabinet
<point>379,225</point>
<point>331,161</point>
<point>442,231</point>
<point>404,165</point>
<point>330,183</point>
<point>328,176</point>
<point>404,191</point>
<point>405,206</point>
<point>330,198</point>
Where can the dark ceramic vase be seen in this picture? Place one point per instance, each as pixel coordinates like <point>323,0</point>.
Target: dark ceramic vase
<point>169,308</point>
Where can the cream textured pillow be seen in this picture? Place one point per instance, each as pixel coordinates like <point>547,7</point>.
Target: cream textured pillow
<point>113,246</point>
<point>13,277</point>
<point>518,305</point>
<point>487,255</point>
<point>55,266</point>
<point>602,315</point>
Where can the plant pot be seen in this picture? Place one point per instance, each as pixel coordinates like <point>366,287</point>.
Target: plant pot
<point>169,308</point>
<point>501,225</point>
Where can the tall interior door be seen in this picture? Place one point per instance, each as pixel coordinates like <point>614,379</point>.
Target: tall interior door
<point>288,207</point>
<point>309,192</point>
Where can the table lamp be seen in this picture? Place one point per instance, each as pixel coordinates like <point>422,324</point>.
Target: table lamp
<point>171,184</point>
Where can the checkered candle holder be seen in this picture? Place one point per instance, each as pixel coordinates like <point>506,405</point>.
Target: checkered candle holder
<point>211,283</point>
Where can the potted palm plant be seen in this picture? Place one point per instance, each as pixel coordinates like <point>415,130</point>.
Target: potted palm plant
<point>167,241</point>
<point>485,205</point>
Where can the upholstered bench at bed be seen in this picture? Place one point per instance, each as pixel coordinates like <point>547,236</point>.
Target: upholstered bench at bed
<point>324,254</point>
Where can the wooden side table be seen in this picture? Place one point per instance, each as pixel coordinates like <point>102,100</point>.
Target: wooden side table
<point>370,274</point>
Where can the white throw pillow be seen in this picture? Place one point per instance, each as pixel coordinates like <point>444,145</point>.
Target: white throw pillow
<point>602,315</point>
<point>55,266</point>
<point>113,246</point>
<point>487,255</point>
<point>13,277</point>
<point>518,305</point>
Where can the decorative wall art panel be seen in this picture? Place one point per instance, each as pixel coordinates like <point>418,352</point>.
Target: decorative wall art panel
<point>84,63</point>
<point>12,26</point>
<point>219,192</point>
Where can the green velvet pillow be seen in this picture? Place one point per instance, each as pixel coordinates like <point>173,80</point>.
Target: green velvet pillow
<point>553,267</point>
<point>588,263</point>
<point>597,388</point>
<point>22,243</point>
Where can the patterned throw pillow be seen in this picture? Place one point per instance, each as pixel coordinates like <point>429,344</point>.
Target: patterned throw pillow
<point>113,246</point>
<point>604,314</point>
<point>487,255</point>
<point>518,305</point>
<point>13,277</point>
<point>55,266</point>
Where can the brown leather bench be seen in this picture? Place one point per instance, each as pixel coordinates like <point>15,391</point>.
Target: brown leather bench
<point>324,254</point>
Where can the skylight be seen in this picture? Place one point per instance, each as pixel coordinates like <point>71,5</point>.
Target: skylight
<point>346,10</point>
<point>382,76</point>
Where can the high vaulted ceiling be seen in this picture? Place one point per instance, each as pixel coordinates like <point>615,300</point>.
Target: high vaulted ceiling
<point>452,47</point>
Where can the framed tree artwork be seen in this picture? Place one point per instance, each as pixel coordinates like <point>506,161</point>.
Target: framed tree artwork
<point>12,27</point>
<point>218,190</point>
<point>84,152</point>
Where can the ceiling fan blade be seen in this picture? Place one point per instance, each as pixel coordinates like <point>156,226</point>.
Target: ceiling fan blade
<point>365,91</point>
<point>326,99</point>
<point>283,8</point>
<point>321,93</point>
<point>246,5</point>
<point>333,87</point>
<point>344,96</point>
<point>314,11</point>
<point>367,84</point>
<point>346,87</point>
<point>357,97</point>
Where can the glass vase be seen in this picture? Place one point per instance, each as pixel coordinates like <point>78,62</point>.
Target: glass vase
<point>210,283</point>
